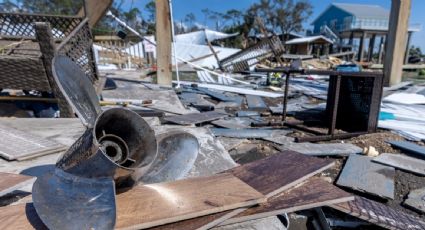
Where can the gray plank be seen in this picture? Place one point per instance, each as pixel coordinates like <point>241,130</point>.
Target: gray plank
<point>256,103</point>
<point>233,122</point>
<point>416,200</point>
<point>327,149</point>
<point>361,174</point>
<point>248,114</point>
<point>409,147</point>
<point>19,145</point>
<point>402,162</point>
<point>195,118</point>
<point>249,133</point>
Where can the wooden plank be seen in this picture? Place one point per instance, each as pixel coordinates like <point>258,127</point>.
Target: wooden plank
<point>10,182</point>
<point>249,133</point>
<point>152,205</point>
<point>195,118</point>
<point>19,145</point>
<point>147,206</point>
<point>402,162</point>
<point>326,149</point>
<point>270,176</point>
<point>163,41</point>
<point>311,194</point>
<point>256,103</point>
<point>94,10</point>
<point>20,216</point>
<point>361,174</point>
<point>379,214</point>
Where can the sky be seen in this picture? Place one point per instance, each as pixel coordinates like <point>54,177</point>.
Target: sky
<point>183,7</point>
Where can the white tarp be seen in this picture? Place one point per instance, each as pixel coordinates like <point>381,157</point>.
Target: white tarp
<point>198,37</point>
<point>405,98</point>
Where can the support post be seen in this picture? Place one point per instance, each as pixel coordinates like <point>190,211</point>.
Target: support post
<point>396,41</point>
<point>381,49</point>
<point>163,39</point>
<point>406,57</point>
<point>361,47</point>
<point>94,10</point>
<point>44,36</point>
<point>371,47</point>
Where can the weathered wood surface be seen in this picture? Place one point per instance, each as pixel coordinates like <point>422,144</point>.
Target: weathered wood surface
<point>157,204</point>
<point>10,182</point>
<point>311,194</point>
<point>326,149</point>
<point>256,103</point>
<point>416,200</point>
<point>276,173</point>
<point>361,174</point>
<point>20,216</point>
<point>249,133</point>
<point>379,214</point>
<point>402,162</point>
<point>195,118</point>
<point>269,176</point>
<point>234,122</point>
<point>147,206</point>
<point>18,145</point>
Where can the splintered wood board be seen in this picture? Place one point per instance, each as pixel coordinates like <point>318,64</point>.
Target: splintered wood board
<point>10,182</point>
<point>19,145</point>
<point>147,206</point>
<point>379,214</point>
<point>151,205</point>
<point>311,194</point>
<point>270,176</point>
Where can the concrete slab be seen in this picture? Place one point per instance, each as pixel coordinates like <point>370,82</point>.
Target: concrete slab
<point>416,200</point>
<point>361,174</point>
<point>410,164</point>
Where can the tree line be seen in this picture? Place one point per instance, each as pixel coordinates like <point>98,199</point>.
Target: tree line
<point>278,16</point>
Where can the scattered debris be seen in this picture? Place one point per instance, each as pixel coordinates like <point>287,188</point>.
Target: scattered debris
<point>194,118</point>
<point>416,200</point>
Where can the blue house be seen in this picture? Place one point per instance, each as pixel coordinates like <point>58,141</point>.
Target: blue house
<point>356,24</point>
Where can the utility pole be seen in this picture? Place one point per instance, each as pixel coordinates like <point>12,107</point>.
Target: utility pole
<point>396,41</point>
<point>163,41</point>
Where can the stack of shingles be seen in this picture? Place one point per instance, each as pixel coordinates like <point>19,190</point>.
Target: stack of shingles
<point>375,176</point>
<point>275,185</point>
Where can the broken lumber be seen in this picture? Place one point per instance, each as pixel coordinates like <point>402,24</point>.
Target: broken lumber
<point>311,194</point>
<point>379,214</point>
<point>270,176</point>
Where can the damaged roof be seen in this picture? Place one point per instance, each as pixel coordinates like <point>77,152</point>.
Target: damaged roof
<point>312,39</point>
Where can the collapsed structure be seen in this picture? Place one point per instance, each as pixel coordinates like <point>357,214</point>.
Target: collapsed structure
<point>241,141</point>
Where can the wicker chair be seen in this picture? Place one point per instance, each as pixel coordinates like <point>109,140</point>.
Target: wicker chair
<point>29,44</point>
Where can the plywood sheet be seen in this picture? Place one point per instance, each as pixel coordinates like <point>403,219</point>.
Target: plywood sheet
<point>151,205</point>
<point>402,162</point>
<point>19,145</point>
<point>195,118</point>
<point>361,174</point>
<point>10,182</point>
<point>379,214</point>
<point>311,194</point>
